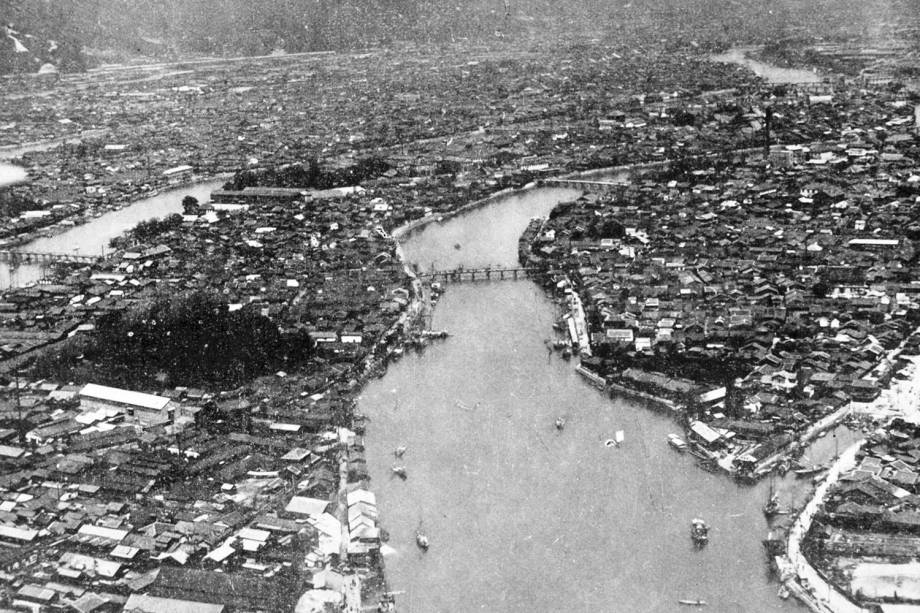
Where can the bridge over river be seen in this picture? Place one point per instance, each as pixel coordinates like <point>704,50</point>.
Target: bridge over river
<point>461,274</point>
<point>16,257</point>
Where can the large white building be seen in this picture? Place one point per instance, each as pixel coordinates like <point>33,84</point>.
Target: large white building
<point>144,409</point>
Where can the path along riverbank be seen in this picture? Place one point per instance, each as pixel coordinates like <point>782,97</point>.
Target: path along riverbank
<point>804,581</point>
<point>899,399</point>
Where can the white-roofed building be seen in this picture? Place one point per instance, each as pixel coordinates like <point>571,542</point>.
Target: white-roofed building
<point>704,433</point>
<point>141,603</point>
<point>145,409</point>
<point>14,534</point>
<point>111,534</point>
<point>221,554</point>
<point>303,505</point>
<point>178,174</point>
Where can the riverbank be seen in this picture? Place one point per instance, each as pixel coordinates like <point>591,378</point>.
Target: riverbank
<point>407,229</point>
<point>11,152</point>
<point>11,175</point>
<point>803,580</point>
<point>67,224</point>
<point>808,584</point>
<point>741,56</point>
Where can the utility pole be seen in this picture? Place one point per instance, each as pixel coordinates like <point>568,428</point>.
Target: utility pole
<point>19,426</point>
<point>768,120</point>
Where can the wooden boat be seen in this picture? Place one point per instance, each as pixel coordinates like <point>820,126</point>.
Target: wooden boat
<point>699,532</point>
<point>676,442</point>
<point>692,603</point>
<point>421,539</point>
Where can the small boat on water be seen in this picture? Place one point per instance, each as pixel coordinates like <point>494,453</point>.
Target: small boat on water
<point>421,539</point>
<point>400,471</point>
<point>676,442</point>
<point>616,440</point>
<point>771,506</point>
<point>560,423</point>
<point>692,603</point>
<point>400,451</point>
<point>699,532</point>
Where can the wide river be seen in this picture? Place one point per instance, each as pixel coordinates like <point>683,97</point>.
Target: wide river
<point>522,517</point>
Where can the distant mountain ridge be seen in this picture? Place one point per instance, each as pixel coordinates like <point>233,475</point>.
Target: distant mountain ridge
<point>72,34</point>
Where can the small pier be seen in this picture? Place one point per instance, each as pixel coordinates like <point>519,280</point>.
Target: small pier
<point>18,257</point>
<point>458,275</point>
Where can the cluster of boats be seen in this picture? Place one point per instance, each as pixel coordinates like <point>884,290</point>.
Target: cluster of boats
<point>399,469</point>
<point>421,539</point>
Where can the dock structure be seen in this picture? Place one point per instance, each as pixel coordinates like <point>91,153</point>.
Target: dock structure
<point>18,257</point>
<point>460,274</point>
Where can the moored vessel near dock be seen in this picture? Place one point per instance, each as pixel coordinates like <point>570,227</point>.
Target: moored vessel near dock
<point>438,334</point>
<point>677,443</point>
<point>810,470</point>
<point>771,506</point>
<point>699,532</point>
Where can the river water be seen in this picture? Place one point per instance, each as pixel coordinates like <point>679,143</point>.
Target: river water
<point>770,72</point>
<point>522,517</point>
<point>10,174</point>
<point>92,237</point>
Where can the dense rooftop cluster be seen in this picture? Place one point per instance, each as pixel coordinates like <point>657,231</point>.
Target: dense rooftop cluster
<point>257,481</point>
<point>118,492</point>
<point>787,284</point>
<point>761,297</point>
<point>125,130</point>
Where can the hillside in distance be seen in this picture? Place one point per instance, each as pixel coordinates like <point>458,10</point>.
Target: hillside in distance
<point>73,34</point>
